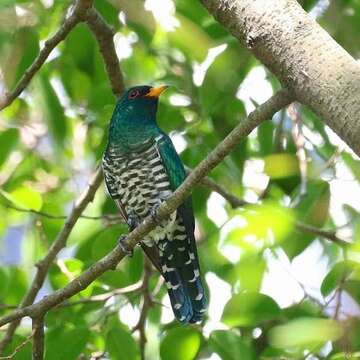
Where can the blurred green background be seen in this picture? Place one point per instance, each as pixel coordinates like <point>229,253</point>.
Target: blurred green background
<point>275,292</point>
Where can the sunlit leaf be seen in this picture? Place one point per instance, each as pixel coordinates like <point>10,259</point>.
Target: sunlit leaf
<point>281,165</point>
<point>305,332</point>
<point>346,356</point>
<point>24,197</point>
<point>261,226</point>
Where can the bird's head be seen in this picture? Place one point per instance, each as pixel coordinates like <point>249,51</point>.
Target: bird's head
<point>140,102</point>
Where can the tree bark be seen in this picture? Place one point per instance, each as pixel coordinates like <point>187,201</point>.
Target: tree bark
<point>304,57</point>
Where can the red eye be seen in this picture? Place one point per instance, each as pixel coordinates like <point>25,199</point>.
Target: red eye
<point>134,94</point>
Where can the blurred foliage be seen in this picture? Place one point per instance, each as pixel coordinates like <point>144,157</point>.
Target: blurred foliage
<point>53,136</point>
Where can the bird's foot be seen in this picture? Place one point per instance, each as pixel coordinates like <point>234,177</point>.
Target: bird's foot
<point>153,214</point>
<point>133,220</point>
<point>124,246</point>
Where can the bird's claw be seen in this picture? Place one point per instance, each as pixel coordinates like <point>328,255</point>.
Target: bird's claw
<point>153,214</point>
<point>124,246</point>
<point>133,221</point>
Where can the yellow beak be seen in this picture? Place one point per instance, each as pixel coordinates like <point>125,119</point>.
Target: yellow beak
<point>156,91</point>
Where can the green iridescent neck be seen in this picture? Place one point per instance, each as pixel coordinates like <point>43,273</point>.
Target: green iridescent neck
<point>133,125</point>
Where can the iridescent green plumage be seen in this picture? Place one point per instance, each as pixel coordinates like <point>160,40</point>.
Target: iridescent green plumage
<point>142,169</point>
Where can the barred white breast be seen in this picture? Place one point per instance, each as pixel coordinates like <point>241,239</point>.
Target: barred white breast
<point>139,182</point>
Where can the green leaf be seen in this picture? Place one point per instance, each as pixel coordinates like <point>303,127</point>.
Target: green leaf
<point>230,345</point>
<point>24,353</point>
<point>258,222</point>
<point>281,165</point>
<point>352,163</point>
<point>62,343</point>
<point>120,342</point>
<point>17,285</point>
<point>312,209</point>
<point>180,344</point>
<point>58,278</point>
<point>305,333</point>
<point>4,281</point>
<point>339,274</point>
<point>346,356</point>
<point>53,111</point>
<point>249,309</point>
<point>249,272</point>
<point>8,141</point>
<point>31,49</point>
<point>24,197</point>
<point>191,38</point>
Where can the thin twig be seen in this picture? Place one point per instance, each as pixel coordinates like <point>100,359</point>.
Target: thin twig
<point>233,200</point>
<point>70,22</point>
<point>83,10</point>
<point>106,217</point>
<point>38,341</point>
<point>110,261</point>
<point>18,348</point>
<point>105,296</point>
<point>328,234</point>
<point>58,244</point>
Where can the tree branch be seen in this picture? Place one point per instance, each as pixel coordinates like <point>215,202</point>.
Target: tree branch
<point>83,10</point>
<point>110,261</point>
<point>104,36</point>
<point>18,348</point>
<point>106,217</point>
<point>303,56</point>
<point>327,234</point>
<point>58,244</point>
<point>146,305</point>
<point>233,200</point>
<point>75,17</point>
<point>38,342</point>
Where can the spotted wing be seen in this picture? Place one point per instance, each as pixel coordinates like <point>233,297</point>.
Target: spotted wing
<point>183,253</point>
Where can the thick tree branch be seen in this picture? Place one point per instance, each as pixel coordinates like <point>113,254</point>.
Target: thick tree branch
<point>304,57</point>
<point>110,261</point>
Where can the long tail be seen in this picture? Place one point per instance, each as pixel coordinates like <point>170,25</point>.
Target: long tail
<point>186,292</point>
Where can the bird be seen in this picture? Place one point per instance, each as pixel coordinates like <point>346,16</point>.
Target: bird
<point>142,169</point>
